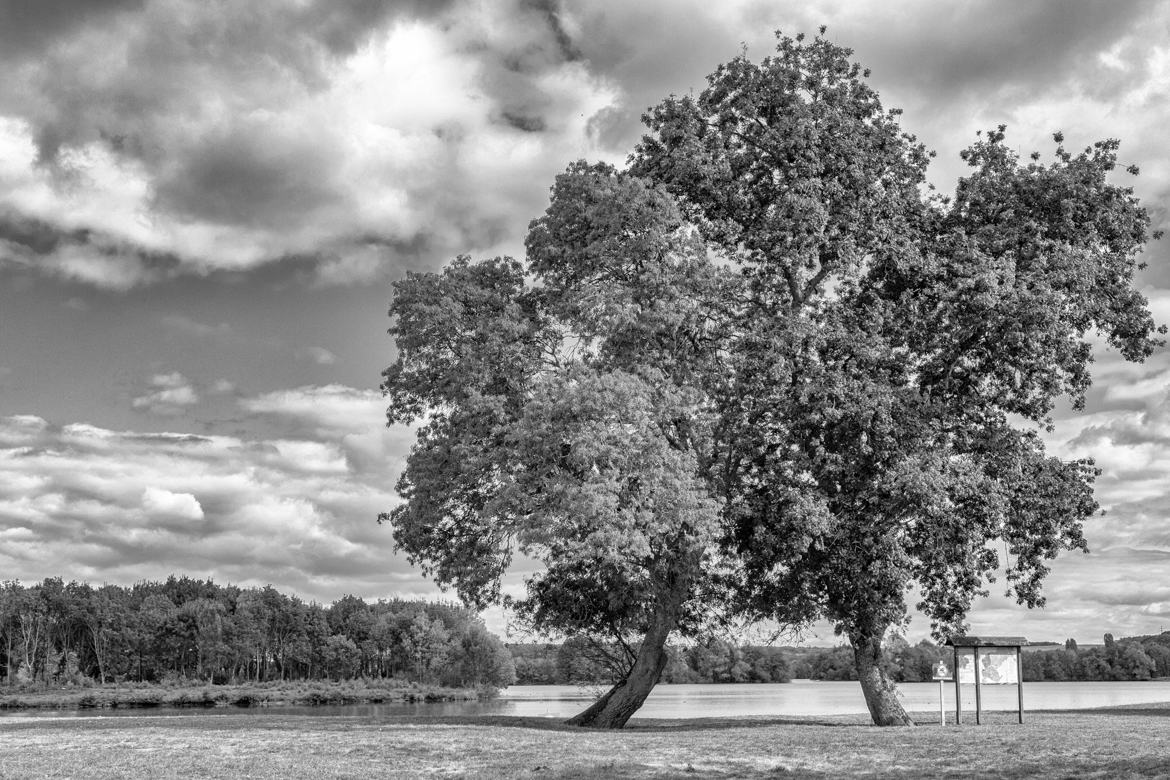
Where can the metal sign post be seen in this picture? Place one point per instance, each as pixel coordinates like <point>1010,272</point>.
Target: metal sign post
<point>941,674</point>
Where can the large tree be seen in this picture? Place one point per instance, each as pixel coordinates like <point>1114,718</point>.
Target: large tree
<point>569,419</point>
<point>892,345</point>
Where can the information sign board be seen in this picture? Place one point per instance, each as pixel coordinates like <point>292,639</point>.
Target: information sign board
<point>995,668</point>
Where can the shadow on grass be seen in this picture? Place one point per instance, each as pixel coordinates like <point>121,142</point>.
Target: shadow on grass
<point>1145,710</point>
<point>625,772</point>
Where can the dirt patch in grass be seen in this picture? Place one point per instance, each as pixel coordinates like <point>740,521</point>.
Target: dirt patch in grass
<point>1105,744</point>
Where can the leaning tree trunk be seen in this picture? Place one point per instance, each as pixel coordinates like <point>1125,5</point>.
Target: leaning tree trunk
<point>881,695</point>
<point>616,707</point>
<point>618,704</point>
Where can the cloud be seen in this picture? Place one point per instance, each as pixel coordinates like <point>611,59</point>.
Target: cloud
<point>325,412</point>
<point>119,506</point>
<point>994,46</point>
<point>144,140</point>
<point>319,355</point>
<point>163,503</point>
<point>178,137</point>
<point>171,395</point>
<point>29,26</point>
<point>1118,586</point>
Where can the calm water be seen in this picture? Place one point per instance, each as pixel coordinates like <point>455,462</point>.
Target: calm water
<point>803,697</point>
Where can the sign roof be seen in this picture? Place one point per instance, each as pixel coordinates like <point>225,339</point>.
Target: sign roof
<point>987,641</point>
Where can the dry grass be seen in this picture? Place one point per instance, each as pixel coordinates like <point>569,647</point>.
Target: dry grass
<point>1116,743</point>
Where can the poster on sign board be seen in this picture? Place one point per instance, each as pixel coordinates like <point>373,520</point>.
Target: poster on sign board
<point>995,668</point>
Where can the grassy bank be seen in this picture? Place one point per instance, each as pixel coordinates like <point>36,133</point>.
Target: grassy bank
<point>245,695</point>
<point>1117,743</point>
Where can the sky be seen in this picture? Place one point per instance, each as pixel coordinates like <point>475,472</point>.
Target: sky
<point>203,206</point>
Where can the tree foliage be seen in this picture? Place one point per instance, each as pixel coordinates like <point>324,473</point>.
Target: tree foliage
<point>568,420</point>
<point>892,343</point>
<point>771,330</point>
<point>55,632</point>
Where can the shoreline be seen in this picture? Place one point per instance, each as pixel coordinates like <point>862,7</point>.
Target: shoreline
<point>241,695</point>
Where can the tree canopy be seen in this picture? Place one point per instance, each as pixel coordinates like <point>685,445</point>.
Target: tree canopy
<point>569,420</point>
<point>62,633</point>
<point>894,342</point>
<point>769,332</point>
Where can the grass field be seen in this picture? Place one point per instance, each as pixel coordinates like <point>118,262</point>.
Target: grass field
<point>1114,743</point>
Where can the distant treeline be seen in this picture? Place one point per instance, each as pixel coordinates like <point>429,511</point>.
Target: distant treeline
<point>57,632</point>
<point>578,661</point>
<point>1131,658</point>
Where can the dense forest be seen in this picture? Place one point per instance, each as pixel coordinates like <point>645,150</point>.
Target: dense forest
<point>716,660</point>
<point>183,628</point>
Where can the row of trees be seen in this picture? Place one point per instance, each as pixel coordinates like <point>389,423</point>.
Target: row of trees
<point>718,661</point>
<point>766,373</point>
<point>196,629</point>
<point>579,660</point>
<point>1135,658</point>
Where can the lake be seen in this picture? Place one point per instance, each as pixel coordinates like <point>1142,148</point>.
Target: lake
<point>809,697</point>
<point>801,697</point>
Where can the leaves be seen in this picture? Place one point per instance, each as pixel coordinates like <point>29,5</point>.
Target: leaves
<point>568,419</point>
<point>769,333</point>
<point>886,339</point>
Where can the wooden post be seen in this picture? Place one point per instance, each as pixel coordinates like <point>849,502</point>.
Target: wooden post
<point>978,697</point>
<point>958,690</point>
<point>1020,683</point>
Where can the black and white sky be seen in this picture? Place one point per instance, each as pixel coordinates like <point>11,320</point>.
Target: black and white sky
<point>203,204</point>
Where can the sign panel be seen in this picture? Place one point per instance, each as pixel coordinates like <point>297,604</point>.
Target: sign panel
<point>995,668</point>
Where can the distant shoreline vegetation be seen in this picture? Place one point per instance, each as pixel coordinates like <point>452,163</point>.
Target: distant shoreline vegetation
<point>186,632</point>
<point>718,661</point>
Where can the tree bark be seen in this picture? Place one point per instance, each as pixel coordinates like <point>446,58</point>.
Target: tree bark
<point>618,705</point>
<point>620,702</point>
<point>881,694</point>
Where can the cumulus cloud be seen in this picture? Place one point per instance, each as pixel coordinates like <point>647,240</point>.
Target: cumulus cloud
<point>321,411</point>
<point>141,139</point>
<point>170,394</point>
<point>173,136</point>
<point>119,506</point>
<point>163,504</point>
